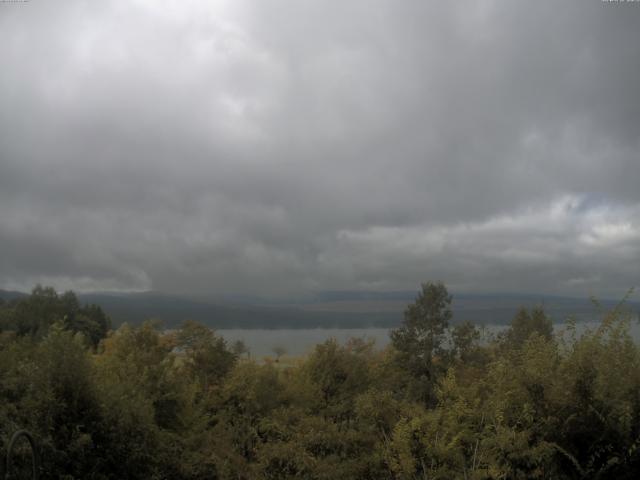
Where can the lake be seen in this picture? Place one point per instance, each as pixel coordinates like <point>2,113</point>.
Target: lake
<point>301,341</point>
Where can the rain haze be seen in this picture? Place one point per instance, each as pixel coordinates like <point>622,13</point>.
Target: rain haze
<point>284,147</point>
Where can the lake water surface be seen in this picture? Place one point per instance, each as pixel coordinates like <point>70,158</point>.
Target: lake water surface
<point>302,341</point>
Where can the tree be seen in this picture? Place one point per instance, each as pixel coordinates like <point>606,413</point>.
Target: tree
<point>420,337</point>
<point>464,337</point>
<point>149,404</point>
<point>34,315</point>
<point>279,351</point>
<point>335,375</point>
<point>524,324</point>
<point>240,348</point>
<point>207,355</point>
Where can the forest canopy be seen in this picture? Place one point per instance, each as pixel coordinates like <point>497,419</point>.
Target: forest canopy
<point>442,401</point>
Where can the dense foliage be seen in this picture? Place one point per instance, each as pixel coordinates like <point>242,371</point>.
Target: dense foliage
<point>440,402</point>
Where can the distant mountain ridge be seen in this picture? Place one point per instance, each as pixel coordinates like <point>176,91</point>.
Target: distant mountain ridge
<point>11,294</point>
<point>331,309</point>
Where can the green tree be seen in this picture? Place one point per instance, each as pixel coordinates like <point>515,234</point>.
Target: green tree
<point>207,357</point>
<point>33,315</point>
<point>47,387</point>
<point>148,403</point>
<point>464,337</point>
<point>91,321</point>
<point>419,340</point>
<point>337,373</point>
<point>525,323</point>
<point>240,348</point>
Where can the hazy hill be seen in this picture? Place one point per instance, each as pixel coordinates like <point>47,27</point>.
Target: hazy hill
<point>342,309</point>
<point>8,295</point>
<point>172,310</point>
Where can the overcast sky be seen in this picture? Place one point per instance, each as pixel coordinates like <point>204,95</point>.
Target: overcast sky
<point>283,147</point>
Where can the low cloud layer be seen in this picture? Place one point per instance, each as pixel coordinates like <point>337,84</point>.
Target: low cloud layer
<point>282,147</point>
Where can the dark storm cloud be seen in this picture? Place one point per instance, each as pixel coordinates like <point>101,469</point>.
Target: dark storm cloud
<point>285,146</point>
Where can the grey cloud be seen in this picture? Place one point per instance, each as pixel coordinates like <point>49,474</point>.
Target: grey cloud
<point>274,147</point>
